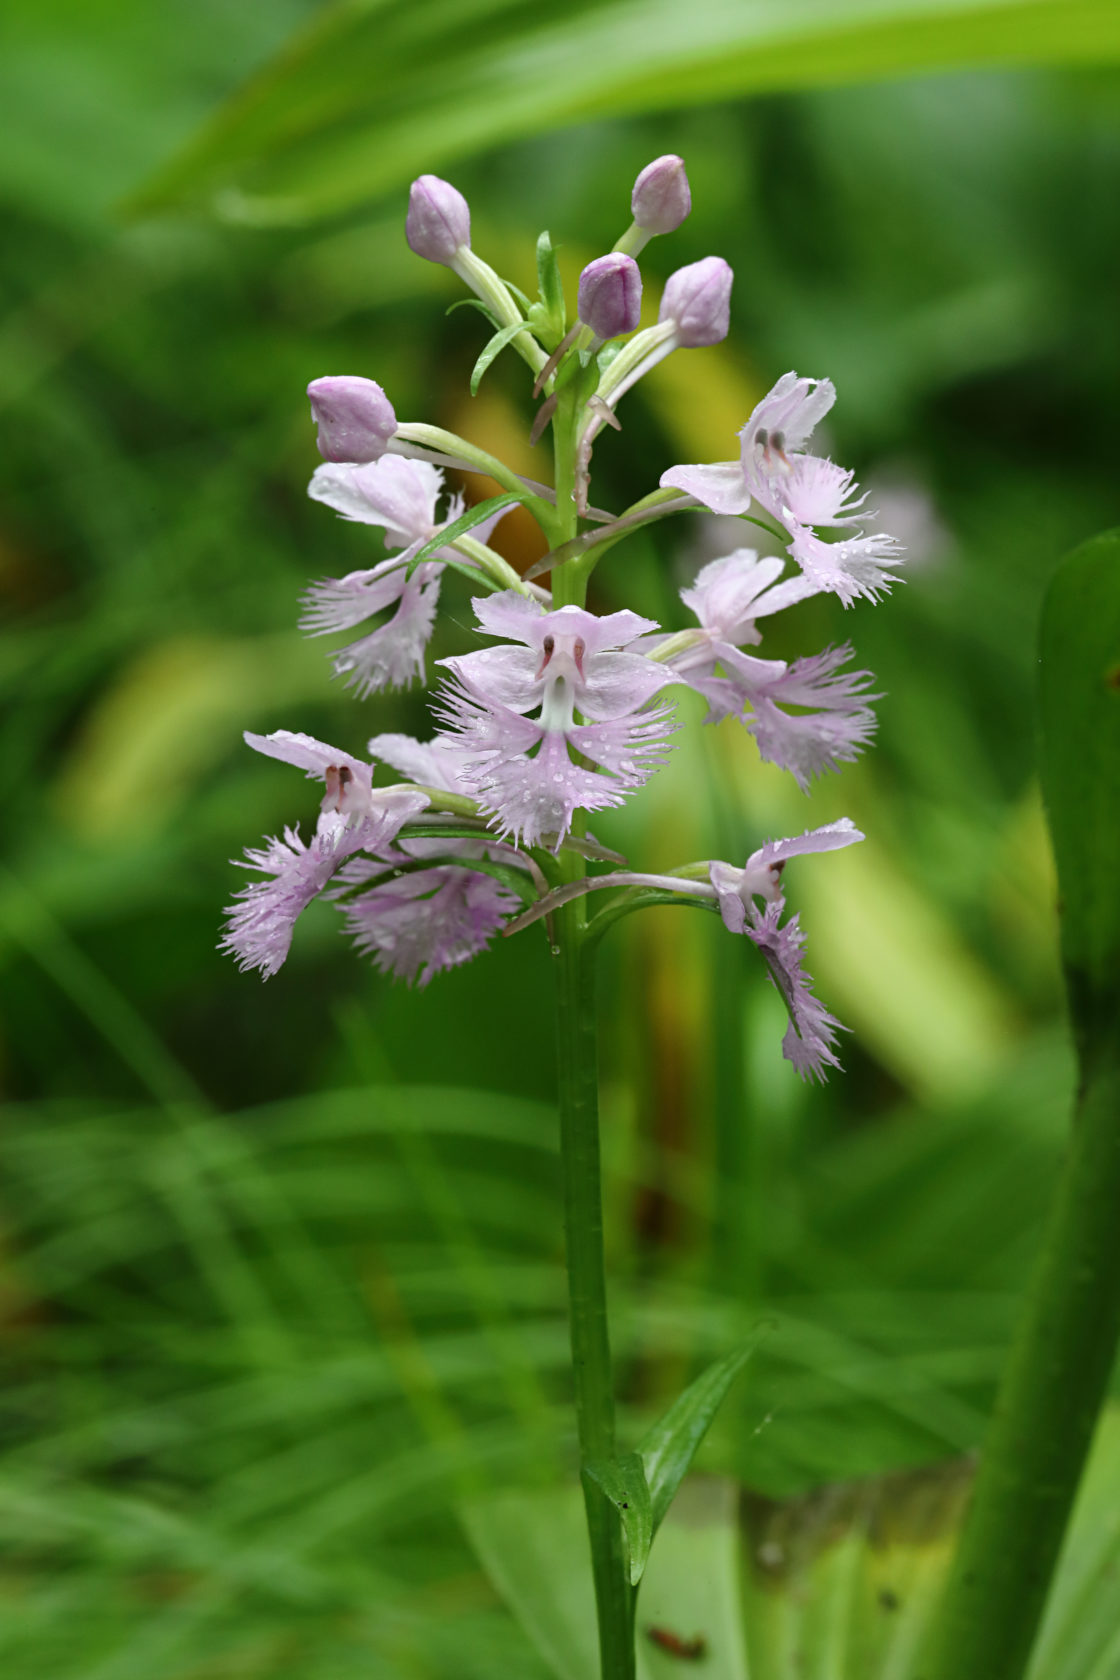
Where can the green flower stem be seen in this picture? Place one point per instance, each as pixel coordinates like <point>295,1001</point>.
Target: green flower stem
<point>577,1063</point>
<point>492,563</point>
<point>459,453</point>
<point>1052,1391</point>
<point>576,1034</point>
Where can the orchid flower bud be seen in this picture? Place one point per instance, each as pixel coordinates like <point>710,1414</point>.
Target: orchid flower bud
<point>438,224</point>
<point>610,295</point>
<point>661,198</point>
<point>697,301</point>
<point>354,416</point>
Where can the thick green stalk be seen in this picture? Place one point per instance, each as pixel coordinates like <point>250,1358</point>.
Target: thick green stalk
<point>578,1078</point>
<point>1051,1394</point>
<point>1062,1356</point>
<point>583,1225</point>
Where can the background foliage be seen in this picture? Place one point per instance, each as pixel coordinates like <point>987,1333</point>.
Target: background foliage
<point>281,1279</point>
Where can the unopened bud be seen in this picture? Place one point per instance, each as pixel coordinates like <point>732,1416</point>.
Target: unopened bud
<point>697,301</point>
<point>438,224</point>
<point>610,295</point>
<point>661,198</point>
<point>354,416</point>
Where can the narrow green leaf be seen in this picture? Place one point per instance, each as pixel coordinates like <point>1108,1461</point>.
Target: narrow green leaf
<point>670,1446</point>
<point>497,344</point>
<point>623,1480</point>
<point>312,133</point>
<point>472,303</point>
<point>447,534</point>
<point>1079,765</point>
<point>551,286</point>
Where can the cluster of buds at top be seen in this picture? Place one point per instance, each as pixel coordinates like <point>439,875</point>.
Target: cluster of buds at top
<point>560,712</point>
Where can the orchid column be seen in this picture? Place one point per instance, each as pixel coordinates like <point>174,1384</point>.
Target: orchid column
<point>559,713</point>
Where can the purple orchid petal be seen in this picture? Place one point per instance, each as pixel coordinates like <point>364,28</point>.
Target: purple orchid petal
<point>792,408</point>
<point>830,838</point>
<point>833,732</point>
<point>810,1039</point>
<point>726,591</point>
<point>306,753</point>
<point>817,492</point>
<point>258,932</point>
<point>482,727</point>
<point>857,566</point>
<point>417,926</point>
<point>618,683</point>
<point>393,655</point>
<point>261,919</point>
<point>533,799</point>
<point>394,492</point>
<point>508,614</point>
<point>524,620</point>
<point>335,604</point>
<point>437,763</point>
<point>719,487</point>
<point>811,743</point>
<point>631,748</point>
<point>507,676</point>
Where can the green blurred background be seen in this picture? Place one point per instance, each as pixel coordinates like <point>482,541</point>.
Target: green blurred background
<point>281,1272</point>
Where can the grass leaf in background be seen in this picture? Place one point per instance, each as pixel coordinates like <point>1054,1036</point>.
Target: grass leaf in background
<point>1064,1348</point>
<point>369,95</point>
<point>1079,717</point>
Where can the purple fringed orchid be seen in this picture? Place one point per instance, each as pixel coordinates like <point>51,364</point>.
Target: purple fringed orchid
<point>835,720</point>
<point>801,491</point>
<point>810,1038</point>
<point>353,818</point>
<point>415,925</point>
<point>398,495</point>
<point>570,664</point>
